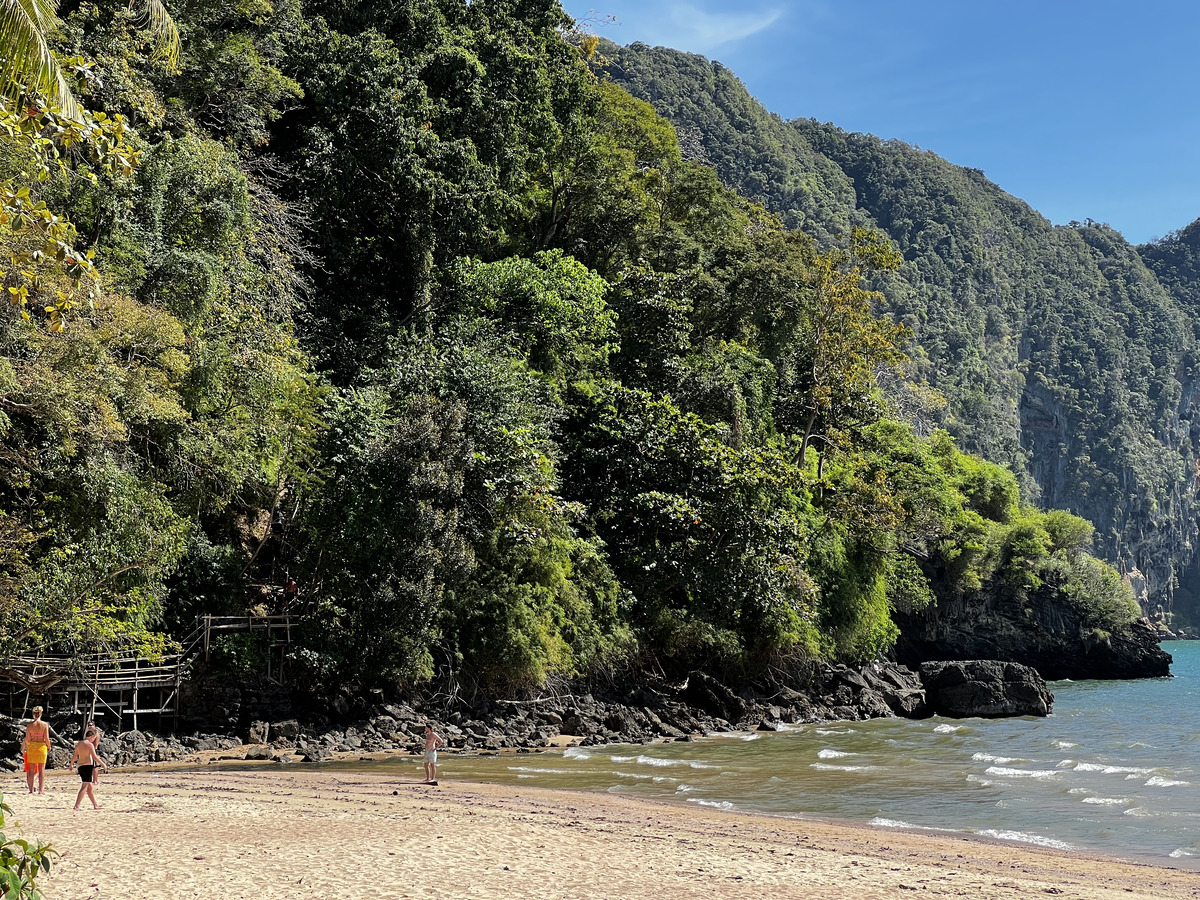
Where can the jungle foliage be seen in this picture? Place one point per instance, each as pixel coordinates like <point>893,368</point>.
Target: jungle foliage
<point>409,302</point>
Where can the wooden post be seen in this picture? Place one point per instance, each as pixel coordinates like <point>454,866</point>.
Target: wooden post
<point>135,694</point>
<point>207,630</point>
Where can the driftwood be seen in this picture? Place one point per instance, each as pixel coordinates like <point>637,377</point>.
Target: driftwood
<point>35,684</point>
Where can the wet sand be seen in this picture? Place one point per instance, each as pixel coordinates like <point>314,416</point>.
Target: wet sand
<point>274,833</point>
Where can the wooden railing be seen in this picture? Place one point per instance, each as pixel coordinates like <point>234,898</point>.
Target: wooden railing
<point>277,628</point>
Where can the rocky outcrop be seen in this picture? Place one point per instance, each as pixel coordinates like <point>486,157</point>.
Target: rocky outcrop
<point>706,693</point>
<point>986,688</point>
<point>1038,630</point>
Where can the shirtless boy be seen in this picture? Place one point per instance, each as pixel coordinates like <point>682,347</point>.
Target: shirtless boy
<point>88,759</point>
<point>433,740</point>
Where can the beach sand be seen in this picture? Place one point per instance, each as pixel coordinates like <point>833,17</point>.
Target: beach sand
<point>276,833</point>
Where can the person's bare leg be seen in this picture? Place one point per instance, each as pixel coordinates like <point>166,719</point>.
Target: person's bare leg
<point>41,779</point>
<point>79,797</point>
<point>29,779</point>
<point>92,797</point>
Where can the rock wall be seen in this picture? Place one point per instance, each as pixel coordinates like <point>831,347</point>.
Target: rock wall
<point>229,704</point>
<point>1039,631</point>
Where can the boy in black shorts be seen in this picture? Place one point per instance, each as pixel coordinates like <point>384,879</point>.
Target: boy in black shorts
<point>88,759</point>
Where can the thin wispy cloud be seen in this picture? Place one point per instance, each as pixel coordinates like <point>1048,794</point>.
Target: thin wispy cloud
<point>687,26</point>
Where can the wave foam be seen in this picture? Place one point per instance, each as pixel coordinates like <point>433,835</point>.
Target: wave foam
<point>660,763</point>
<point>1111,770</point>
<point>1139,812</point>
<point>715,804</point>
<point>1105,801</point>
<point>947,729</point>
<point>1002,760</point>
<point>827,753</point>
<point>827,767</point>
<point>1025,837</point>
<point>734,735</point>
<point>1006,772</point>
<point>576,753</point>
<point>536,771</point>
<point>890,823</point>
<point>1159,781</point>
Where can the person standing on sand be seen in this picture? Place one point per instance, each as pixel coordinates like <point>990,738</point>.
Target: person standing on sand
<point>95,742</point>
<point>36,747</point>
<point>89,760</point>
<point>433,740</point>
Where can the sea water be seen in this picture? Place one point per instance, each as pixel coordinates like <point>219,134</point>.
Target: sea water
<point>1114,770</point>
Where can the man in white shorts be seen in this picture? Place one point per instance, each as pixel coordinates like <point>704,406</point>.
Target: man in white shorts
<point>433,740</point>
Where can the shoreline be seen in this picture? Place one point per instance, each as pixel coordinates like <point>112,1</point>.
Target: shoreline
<point>233,761</point>
<point>275,832</point>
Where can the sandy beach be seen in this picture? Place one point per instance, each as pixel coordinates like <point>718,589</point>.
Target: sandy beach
<point>276,833</point>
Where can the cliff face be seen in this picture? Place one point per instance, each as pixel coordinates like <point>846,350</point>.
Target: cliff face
<point>1059,352</point>
<point>1039,631</point>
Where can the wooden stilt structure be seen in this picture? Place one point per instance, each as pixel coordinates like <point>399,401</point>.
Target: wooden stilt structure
<point>125,689</point>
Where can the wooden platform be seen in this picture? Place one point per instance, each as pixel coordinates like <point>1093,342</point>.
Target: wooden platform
<point>122,687</point>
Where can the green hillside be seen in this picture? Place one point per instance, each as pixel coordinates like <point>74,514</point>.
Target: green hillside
<point>1058,351</point>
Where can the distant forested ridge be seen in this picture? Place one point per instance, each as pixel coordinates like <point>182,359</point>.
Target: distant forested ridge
<point>412,304</point>
<point>1062,352</point>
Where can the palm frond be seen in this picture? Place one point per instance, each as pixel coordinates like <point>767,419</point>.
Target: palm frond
<point>25,59</point>
<point>155,19</point>
<point>41,12</point>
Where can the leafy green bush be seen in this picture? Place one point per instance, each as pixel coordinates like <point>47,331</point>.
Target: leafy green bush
<point>21,862</point>
<point>241,654</point>
<point>1101,594</point>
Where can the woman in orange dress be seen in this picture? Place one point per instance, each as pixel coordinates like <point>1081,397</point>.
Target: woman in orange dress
<point>36,748</point>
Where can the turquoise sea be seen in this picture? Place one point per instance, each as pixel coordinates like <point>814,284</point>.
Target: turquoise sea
<point>1114,770</point>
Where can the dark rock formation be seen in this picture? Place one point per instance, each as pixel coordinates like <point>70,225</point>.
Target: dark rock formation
<point>1039,630</point>
<point>708,694</point>
<point>900,688</point>
<point>986,688</point>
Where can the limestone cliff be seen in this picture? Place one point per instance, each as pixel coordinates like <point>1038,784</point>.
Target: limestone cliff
<point>1037,630</point>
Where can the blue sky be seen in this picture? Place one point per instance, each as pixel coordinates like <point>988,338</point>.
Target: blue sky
<point>1084,110</point>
